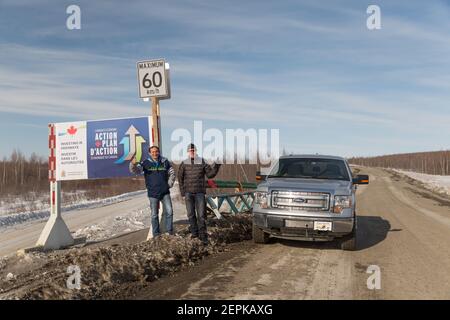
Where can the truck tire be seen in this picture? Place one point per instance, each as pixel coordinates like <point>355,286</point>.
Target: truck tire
<point>348,243</point>
<point>259,236</point>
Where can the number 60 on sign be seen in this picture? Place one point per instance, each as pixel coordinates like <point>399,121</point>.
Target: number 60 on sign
<point>153,79</point>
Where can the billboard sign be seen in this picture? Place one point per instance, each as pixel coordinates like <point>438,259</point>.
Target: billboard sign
<point>100,149</point>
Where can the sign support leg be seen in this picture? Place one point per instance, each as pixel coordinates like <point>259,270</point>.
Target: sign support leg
<point>56,234</point>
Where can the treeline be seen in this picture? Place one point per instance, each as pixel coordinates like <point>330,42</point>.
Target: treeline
<point>21,174</point>
<point>435,162</point>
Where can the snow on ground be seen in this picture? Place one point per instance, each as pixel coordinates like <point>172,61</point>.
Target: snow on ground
<point>113,225</point>
<point>436,183</point>
<point>7,220</point>
<point>37,201</point>
<point>107,227</point>
<point>31,201</point>
<point>129,221</point>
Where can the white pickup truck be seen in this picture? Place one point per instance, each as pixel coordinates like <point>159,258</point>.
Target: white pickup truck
<point>307,197</point>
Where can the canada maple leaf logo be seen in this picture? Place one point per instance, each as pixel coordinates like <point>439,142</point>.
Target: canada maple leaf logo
<point>98,143</point>
<point>72,130</point>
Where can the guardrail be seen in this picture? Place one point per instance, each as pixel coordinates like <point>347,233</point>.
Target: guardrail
<point>238,202</point>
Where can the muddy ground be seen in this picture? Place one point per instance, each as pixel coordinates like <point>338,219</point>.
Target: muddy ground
<point>118,268</point>
<point>403,229</point>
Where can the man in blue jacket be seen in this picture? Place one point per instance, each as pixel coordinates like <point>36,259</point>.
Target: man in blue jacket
<point>159,178</point>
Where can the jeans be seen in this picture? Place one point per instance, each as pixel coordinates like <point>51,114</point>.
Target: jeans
<point>167,203</point>
<point>196,202</point>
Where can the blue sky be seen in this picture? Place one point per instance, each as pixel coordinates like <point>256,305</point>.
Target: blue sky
<point>311,69</point>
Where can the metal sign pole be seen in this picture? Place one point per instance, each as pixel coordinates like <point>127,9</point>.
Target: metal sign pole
<point>155,120</point>
<point>55,234</point>
<point>153,77</point>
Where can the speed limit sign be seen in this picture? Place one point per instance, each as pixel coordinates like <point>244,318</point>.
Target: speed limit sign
<point>152,79</point>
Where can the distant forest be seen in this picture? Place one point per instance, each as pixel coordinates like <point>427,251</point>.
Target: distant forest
<point>20,174</point>
<point>434,162</point>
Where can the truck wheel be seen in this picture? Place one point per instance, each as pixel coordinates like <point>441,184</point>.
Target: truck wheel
<point>259,236</point>
<point>348,243</point>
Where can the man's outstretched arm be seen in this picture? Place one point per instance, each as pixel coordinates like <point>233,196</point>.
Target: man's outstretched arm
<point>211,170</point>
<point>135,166</point>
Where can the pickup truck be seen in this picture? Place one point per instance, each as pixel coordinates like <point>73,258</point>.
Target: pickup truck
<point>307,197</point>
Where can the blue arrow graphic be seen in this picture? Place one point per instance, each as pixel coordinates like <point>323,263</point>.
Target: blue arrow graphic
<point>126,149</point>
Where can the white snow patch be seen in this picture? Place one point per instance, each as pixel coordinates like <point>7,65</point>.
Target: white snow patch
<point>436,183</point>
<point>10,276</point>
<point>116,225</point>
<point>18,218</point>
<point>131,221</point>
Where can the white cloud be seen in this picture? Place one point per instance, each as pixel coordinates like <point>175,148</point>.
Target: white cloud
<point>258,63</point>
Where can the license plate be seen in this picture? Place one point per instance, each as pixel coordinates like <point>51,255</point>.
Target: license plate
<point>298,224</point>
<point>322,226</point>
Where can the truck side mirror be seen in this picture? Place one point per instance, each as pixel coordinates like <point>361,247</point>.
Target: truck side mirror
<point>361,179</point>
<point>260,177</point>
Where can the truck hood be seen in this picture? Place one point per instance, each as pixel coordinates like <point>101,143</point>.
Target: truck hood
<point>311,185</point>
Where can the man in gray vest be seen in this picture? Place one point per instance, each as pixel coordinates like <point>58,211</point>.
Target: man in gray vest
<point>192,175</point>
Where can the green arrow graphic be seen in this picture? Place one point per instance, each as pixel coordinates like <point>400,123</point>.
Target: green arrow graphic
<point>139,142</point>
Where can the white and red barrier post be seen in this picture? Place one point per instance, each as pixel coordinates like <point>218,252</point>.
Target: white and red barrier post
<point>56,234</point>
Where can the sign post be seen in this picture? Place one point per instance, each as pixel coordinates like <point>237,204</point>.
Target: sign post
<point>156,132</point>
<point>56,234</point>
<point>154,84</point>
<point>84,150</point>
<point>102,149</point>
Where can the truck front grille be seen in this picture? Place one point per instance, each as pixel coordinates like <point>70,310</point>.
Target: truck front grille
<point>297,200</point>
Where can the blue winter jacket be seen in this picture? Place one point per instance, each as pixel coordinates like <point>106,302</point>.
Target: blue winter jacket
<point>159,176</point>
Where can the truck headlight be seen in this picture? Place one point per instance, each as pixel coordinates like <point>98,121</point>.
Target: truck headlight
<point>342,202</point>
<point>262,199</point>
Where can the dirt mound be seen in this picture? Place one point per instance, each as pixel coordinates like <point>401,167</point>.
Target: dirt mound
<point>107,271</point>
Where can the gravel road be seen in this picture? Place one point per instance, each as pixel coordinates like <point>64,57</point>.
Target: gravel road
<point>402,228</point>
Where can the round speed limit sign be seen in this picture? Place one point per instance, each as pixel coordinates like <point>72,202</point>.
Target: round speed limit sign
<point>152,78</point>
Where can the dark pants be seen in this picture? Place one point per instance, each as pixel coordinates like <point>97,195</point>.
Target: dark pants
<point>195,202</point>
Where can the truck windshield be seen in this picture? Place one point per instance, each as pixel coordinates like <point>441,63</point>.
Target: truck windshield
<point>310,168</point>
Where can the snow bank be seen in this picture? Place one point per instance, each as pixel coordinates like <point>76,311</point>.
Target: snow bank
<point>111,226</point>
<point>108,272</point>
<point>440,184</point>
<point>18,218</point>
